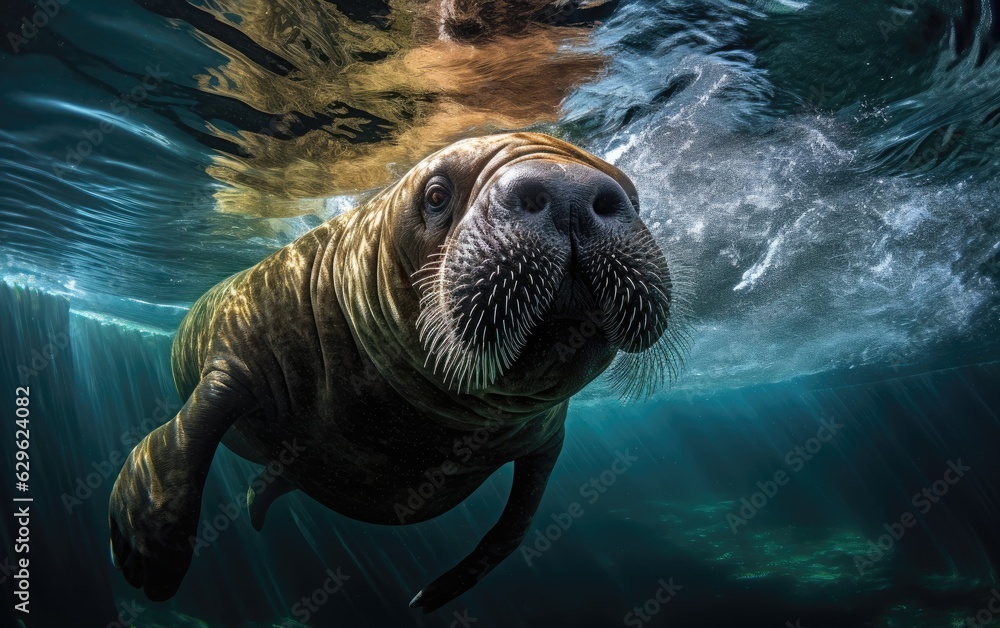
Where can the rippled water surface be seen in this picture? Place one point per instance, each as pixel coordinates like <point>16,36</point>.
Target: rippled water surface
<point>822,173</point>
<point>825,174</point>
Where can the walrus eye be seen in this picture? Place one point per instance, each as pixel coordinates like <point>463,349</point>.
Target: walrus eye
<point>437,194</point>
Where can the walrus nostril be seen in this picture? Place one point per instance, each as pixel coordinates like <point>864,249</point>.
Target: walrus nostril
<point>607,202</point>
<point>539,201</point>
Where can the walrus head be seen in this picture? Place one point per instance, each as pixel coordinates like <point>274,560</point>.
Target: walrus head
<point>510,271</point>
<point>533,270</point>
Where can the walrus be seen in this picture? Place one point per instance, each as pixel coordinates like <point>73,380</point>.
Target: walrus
<point>442,306</point>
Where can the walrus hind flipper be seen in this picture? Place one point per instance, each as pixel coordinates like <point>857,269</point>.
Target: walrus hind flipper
<point>258,501</point>
<point>156,499</point>
<point>531,474</point>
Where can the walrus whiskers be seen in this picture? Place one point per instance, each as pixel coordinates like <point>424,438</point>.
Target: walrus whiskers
<point>632,277</point>
<point>477,360</point>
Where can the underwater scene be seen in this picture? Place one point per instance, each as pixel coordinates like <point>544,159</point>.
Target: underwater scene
<point>510,313</point>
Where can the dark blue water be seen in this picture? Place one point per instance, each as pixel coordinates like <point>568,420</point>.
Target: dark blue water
<point>823,172</point>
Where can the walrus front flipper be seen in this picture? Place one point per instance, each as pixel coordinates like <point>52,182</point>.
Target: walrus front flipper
<point>156,499</point>
<point>258,501</point>
<point>531,474</point>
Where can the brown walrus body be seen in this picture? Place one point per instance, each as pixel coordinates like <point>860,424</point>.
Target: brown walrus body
<point>382,340</point>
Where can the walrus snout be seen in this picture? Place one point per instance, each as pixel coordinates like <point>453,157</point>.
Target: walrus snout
<point>613,268</point>
<point>566,204</point>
